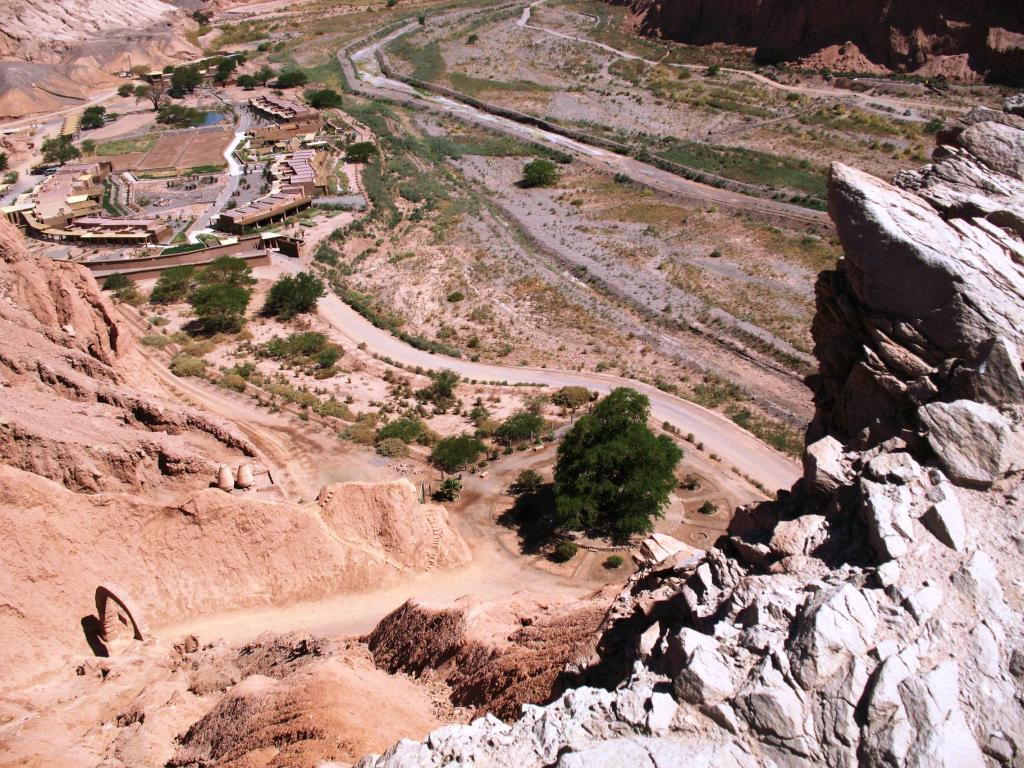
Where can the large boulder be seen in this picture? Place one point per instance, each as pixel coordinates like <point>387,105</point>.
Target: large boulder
<point>972,441</point>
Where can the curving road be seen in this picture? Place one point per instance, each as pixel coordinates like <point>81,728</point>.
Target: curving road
<point>736,447</point>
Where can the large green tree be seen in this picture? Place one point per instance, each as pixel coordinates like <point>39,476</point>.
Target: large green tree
<point>59,150</point>
<point>293,295</point>
<point>520,427</point>
<point>227,270</point>
<point>173,284</point>
<point>218,308</point>
<point>613,475</point>
<point>454,453</point>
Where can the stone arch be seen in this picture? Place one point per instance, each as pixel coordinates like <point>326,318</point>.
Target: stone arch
<point>120,621</point>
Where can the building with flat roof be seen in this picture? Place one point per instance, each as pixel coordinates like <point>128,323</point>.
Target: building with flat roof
<point>282,110</point>
<point>67,206</point>
<point>265,210</point>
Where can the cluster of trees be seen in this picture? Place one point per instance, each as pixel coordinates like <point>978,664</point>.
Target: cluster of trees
<point>179,116</point>
<point>360,151</point>
<point>59,149</point>
<point>219,294</point>
<point>286,78</point>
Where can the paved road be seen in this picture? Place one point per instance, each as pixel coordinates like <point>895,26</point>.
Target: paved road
<point>235,168</point>
<point>375,83</point>
<point>737,447</point>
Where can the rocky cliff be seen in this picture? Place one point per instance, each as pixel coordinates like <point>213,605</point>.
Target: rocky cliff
<point>54,54</point>
<point>986,36</point>
<point>104,482</point>
<point>871,616</point>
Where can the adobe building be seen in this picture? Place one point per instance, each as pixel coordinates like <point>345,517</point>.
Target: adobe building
<point>67,207</point>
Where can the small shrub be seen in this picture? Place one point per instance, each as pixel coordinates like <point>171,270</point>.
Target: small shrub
<point>116,282</point>
<point>334,409</point>
<point>707,508</point>
<point>539,173</point>
<point>392,448</point>
<point>186,365</point>
<point>565,551</point>
<point>456,296</point>
<point>527,482</point>
<point>155,341</point>
<point>233,381</point>
<point>613,562</point>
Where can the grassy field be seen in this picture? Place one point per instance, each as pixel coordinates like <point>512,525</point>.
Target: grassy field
<point>126,146</point>
<point>747,165</point>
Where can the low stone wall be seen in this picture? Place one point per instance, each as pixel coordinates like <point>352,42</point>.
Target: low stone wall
<point>152,267</point>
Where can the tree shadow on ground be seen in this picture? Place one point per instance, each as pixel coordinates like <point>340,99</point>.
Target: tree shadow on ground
<point>533,518</point>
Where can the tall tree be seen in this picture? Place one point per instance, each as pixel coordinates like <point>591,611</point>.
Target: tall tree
<point>613,474</point>
<point>155,93</point>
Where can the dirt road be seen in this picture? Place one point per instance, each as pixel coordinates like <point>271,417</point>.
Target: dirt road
<point>736,447</point>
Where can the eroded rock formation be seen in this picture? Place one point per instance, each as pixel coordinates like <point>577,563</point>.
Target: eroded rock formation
<point>493,656</point>
<point>941,36</point>
<point>871,616</point>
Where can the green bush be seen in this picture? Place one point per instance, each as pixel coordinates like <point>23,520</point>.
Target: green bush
<point>186,365</point>
<point>520,427</point>
<point>613,474</point>
<point>392,447</point>
<point>293,78</point>
<point>218,308</point>
<point>323,98</point>
<point>155,341</point>
<point>527,482</point>
<point>335,409</point>
<point>173,285</point>
<point>116,282</point>
<point>539,173</point>
<point>360,152</point>
<point>233,381</point>
<point>565,551</point>
<point>612,562</point>
<point>454,453</point>
<point>456,296</point>
<point>406,430</point>
<point>293,295</point>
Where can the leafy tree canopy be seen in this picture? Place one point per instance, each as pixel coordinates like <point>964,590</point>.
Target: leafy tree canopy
<point>360,151</point>
<point>539,173</point>
<point>613,474</point>
<point>59,150</point>
<point>227,270</point>
<point>454,453</point>
<point>219,308</point>
<point>323,98</point>
<point>571,398</point>
<point>520,427</point>
<point>293,295</point>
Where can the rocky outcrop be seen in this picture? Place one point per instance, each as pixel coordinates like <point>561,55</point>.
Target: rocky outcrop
<point>67,408</point>
<point>985,36</point>
<point>493,657</point>
<point>871,615</point>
